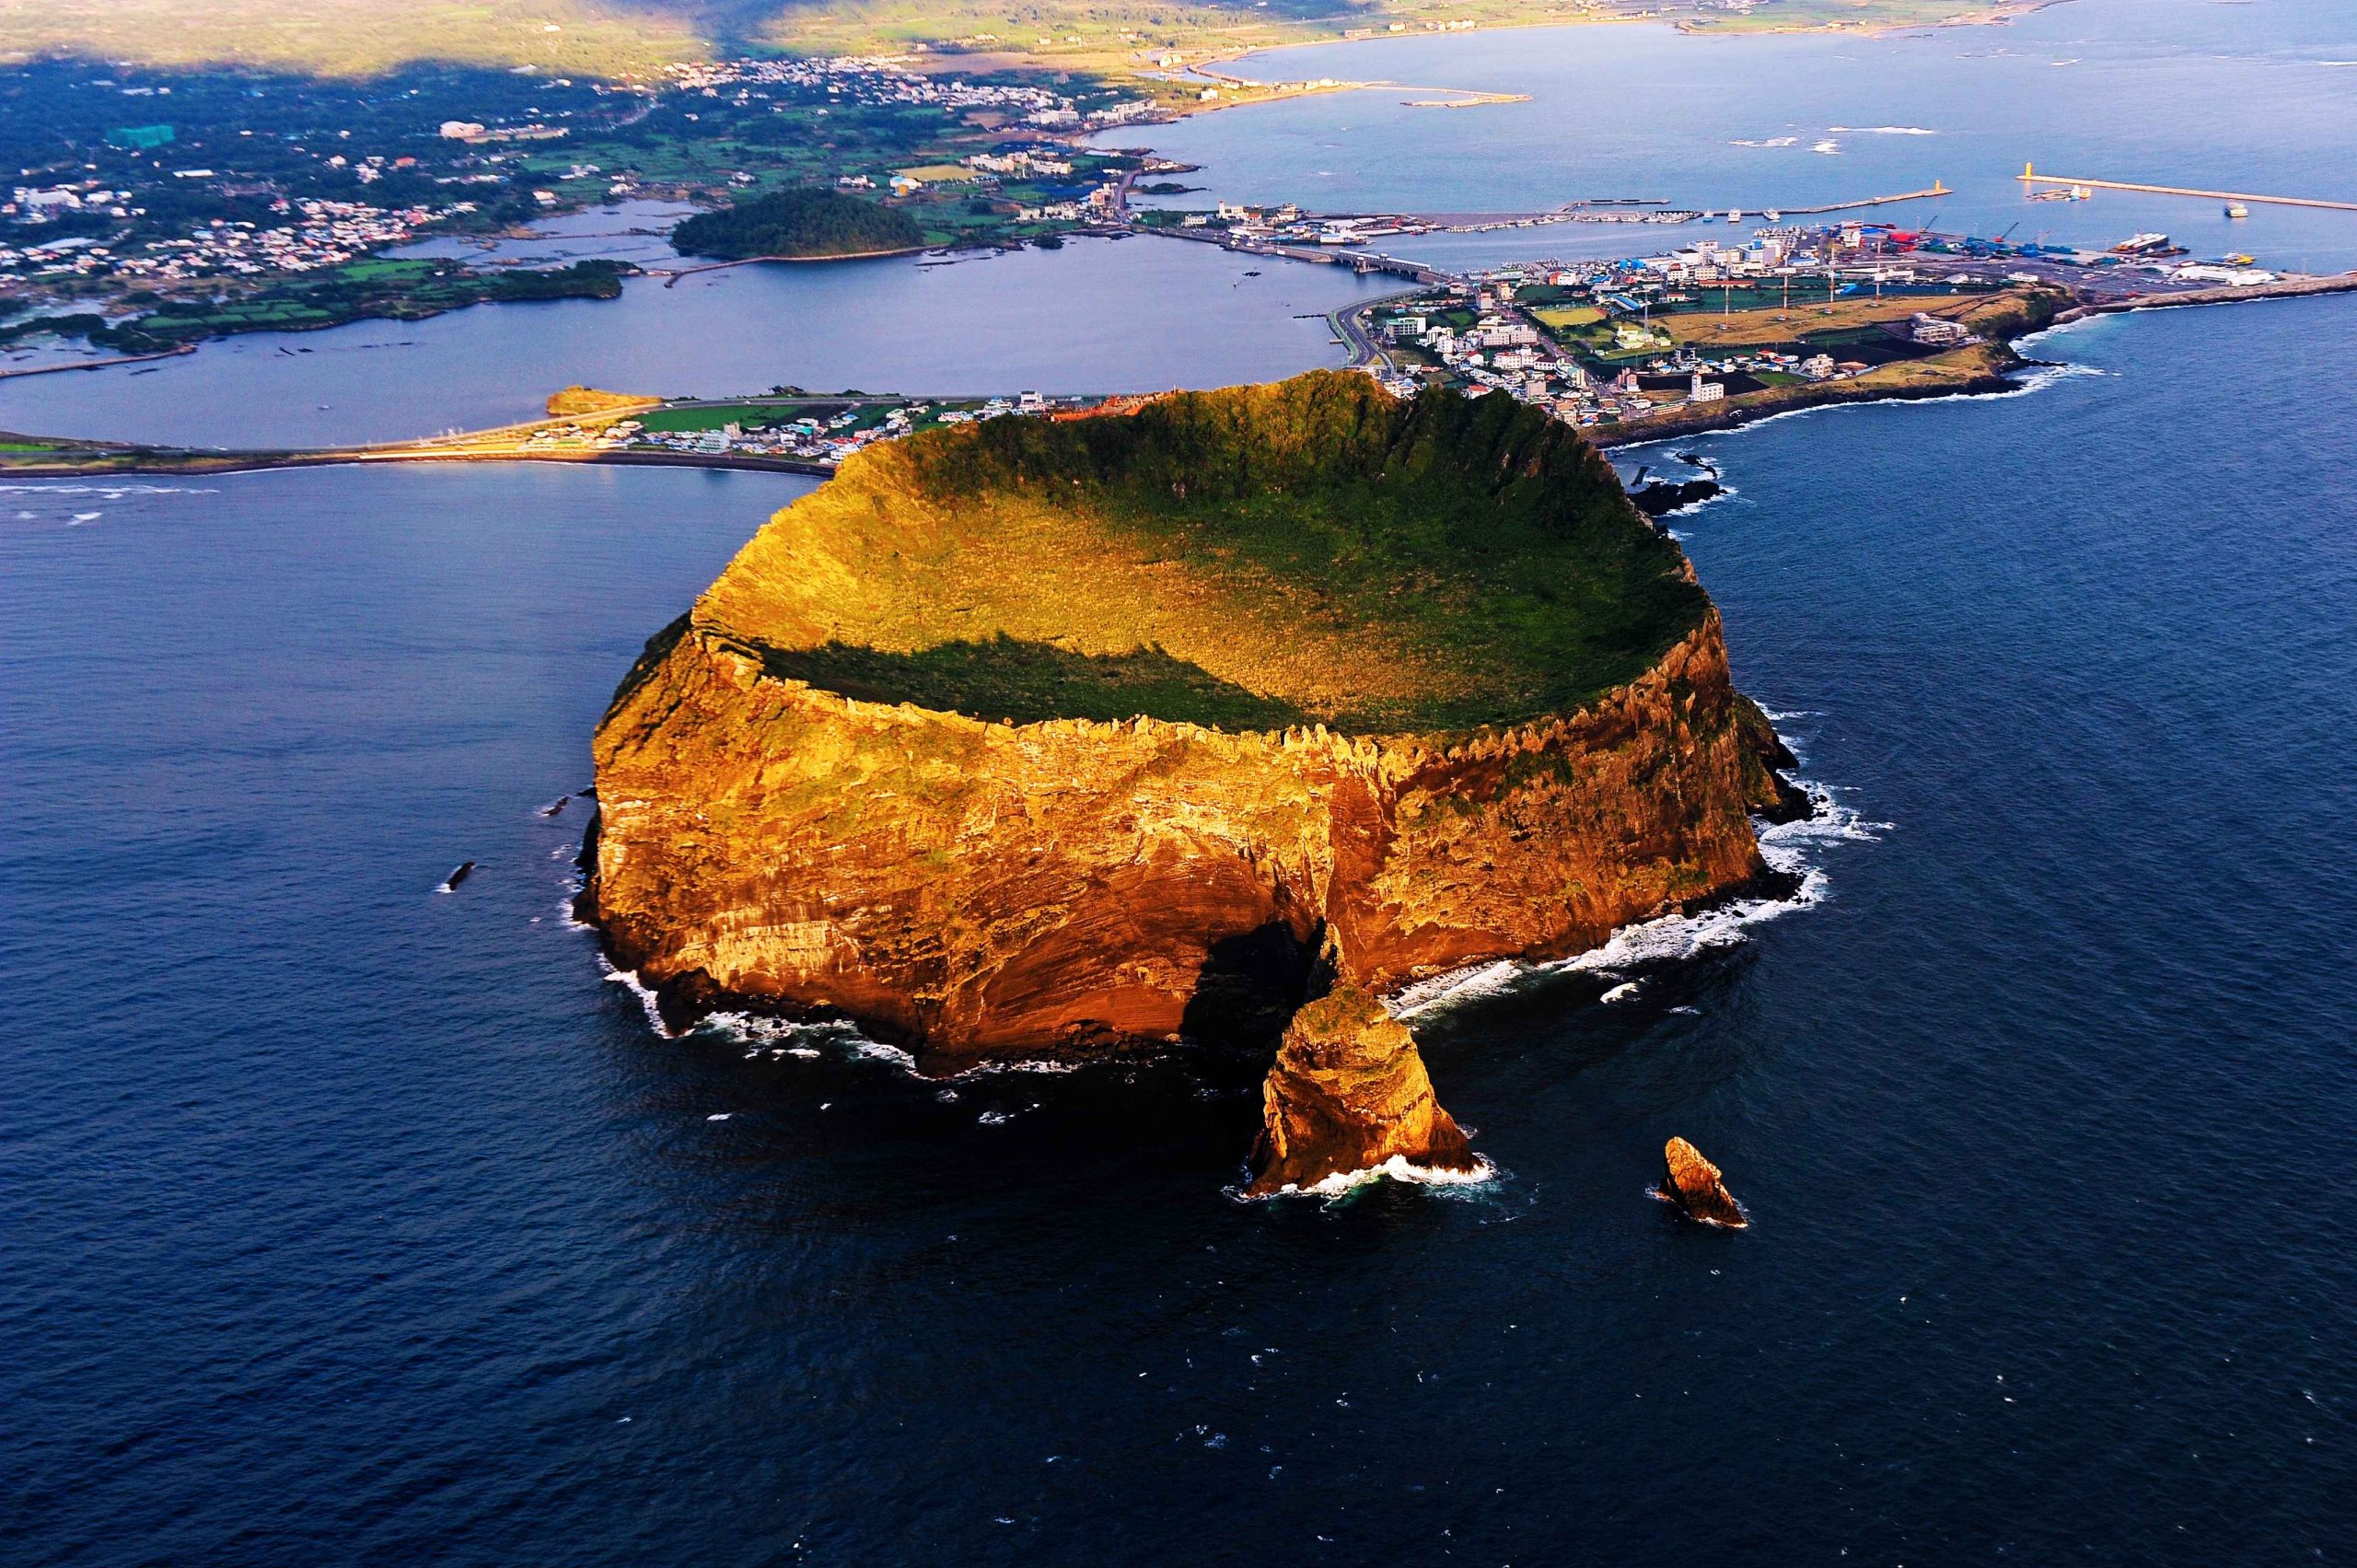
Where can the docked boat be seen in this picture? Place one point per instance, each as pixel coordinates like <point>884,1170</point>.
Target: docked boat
<point>2141,245</point>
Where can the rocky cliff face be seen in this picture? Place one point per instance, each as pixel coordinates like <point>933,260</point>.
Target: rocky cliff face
<point>1348,1094</point>
<point>981,889</point>
<point>981,875</point>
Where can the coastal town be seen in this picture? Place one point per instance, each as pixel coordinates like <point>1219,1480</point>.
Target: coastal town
<point>175,231</point>
<point>315,234</point>
<point>1715,333</point>
<point>156,232</point>
<point>147,195</point>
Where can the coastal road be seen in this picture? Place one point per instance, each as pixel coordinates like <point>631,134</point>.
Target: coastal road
<point>1349,324</point>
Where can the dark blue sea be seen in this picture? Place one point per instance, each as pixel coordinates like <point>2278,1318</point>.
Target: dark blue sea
<point>343,1221</point>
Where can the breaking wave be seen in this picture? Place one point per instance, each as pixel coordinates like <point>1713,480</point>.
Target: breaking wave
<point>1396,1168</point>
<point>646,997</point>
<point>776,1037</point>
<point>107,491</point>
<point>1790,849</point>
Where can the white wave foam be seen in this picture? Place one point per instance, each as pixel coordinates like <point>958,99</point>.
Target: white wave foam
<point>1829,146</point>
<point>1705,1219</point>
<point>1765,142</point>
<point>1397,1168</point>
<point>1482,980</point>
<point>2082,324</point>
<point>107,492</point>
<point>1624,992</point>
<point>1693,507</point>
<point>646,997</point>
<point>1883,130</point>
<point>2037,378</point>
<point>868,1049</point>
<point>810,1039</point>
<point>1041,1065</point>
<point>1787,847</point>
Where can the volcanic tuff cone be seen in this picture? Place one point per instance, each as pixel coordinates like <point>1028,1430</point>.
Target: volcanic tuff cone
<point>1349,1092</point>
<point>1039,735</point>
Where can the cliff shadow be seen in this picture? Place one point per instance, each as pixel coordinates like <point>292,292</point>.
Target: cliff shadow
<point>1248,990</point>
<point>1023,682</point>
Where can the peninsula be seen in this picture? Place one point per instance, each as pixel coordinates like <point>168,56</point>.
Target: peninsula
<point>1063,737</point>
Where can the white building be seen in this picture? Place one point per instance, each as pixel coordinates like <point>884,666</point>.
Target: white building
<point>1934,329</point>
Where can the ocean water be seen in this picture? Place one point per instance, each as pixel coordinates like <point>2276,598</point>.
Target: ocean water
<point>2236,95</point>
<point>347,1221</point>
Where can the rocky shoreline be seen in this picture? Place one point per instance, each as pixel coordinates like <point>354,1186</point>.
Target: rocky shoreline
<point>1212,922</point>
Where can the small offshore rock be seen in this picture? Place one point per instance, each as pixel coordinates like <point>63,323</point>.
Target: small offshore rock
<point>1663,496</point>
<point>465,870</point>
<point>1692,1183</point>
<point>1348,1092</point>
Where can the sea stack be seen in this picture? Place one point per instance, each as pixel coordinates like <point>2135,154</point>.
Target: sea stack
<point>1348,1093</point>
<point>1692,1183</point>
<point>1059,737</point>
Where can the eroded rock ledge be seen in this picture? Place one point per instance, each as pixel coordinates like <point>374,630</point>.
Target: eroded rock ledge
<point>1348,1093</point>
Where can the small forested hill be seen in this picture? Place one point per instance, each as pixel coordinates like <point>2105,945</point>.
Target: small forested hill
<point>1311,551</point>
<point>803,222</point>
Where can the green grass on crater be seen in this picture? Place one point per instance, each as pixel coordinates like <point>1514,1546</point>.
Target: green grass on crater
<point>1312,550</point>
